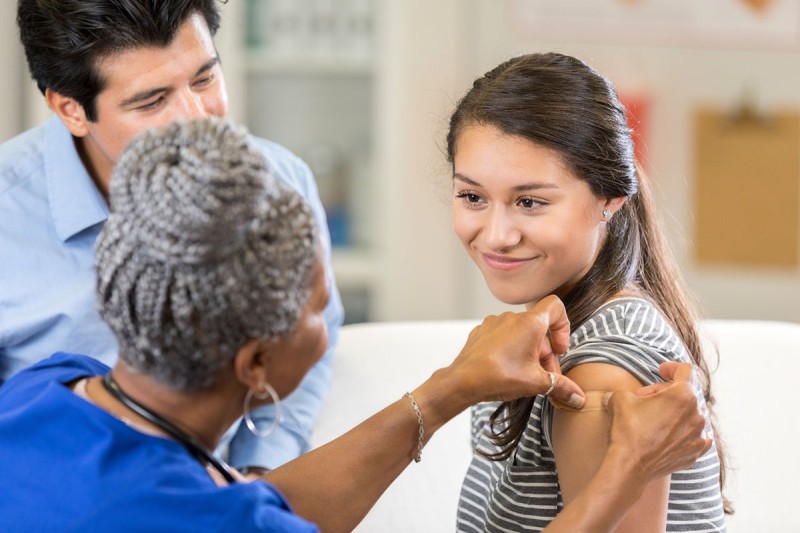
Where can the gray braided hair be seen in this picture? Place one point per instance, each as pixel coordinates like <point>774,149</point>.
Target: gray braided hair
<point>203,251</point>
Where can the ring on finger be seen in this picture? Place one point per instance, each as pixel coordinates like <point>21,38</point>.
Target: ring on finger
<point>552,383</point>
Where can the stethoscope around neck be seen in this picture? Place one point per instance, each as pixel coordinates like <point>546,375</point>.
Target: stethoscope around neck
<point>200,452</point>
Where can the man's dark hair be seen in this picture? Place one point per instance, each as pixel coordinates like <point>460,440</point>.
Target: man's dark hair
<point>64,39</point>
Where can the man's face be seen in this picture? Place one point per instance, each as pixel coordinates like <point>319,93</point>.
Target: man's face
<point>150,87</point>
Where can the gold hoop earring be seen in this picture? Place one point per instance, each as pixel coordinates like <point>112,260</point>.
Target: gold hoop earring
<point>248,420</point>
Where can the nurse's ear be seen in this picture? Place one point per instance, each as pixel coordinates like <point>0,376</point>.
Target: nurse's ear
<point>250,364</point>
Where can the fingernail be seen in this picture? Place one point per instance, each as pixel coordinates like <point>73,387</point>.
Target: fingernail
<point>575,401</point>
<point>607,398</point>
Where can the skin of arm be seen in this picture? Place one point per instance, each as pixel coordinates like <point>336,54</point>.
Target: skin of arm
<point>653,433</point>
<point>580,443</point>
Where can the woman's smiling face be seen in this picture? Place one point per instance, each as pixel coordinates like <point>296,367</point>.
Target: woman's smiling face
<point>532,226</point>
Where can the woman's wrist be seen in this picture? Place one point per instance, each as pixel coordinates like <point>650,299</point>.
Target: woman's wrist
<point>440,400</point>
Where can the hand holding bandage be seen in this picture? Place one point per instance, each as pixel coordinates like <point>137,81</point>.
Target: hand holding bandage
<point>595,401</point>
<point>672,446</point>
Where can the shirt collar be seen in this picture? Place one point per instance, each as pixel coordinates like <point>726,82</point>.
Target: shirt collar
<point>75,202</point>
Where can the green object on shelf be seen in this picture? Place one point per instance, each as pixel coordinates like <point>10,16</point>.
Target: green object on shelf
<point>256,23</point>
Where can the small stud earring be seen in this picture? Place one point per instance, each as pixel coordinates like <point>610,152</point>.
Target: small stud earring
<point>606,213</point>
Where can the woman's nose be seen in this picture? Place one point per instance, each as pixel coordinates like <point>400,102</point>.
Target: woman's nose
<point>500,231</point>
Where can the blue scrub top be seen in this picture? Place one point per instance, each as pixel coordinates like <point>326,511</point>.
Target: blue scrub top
<point>68,465</point>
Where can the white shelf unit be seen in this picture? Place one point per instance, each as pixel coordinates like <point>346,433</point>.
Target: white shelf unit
<point>306,86</point>
<point>260,62</point>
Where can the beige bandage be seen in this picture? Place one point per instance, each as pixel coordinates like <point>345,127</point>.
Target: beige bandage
<point>594,402</point>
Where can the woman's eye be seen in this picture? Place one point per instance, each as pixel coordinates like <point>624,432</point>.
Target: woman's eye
<point>529,203</point>
<point>469,197</point>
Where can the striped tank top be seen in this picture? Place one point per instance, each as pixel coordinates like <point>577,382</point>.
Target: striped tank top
<point>522,492</point>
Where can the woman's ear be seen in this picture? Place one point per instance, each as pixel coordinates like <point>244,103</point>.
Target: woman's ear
<point>613,205</point>
<point>250,364</point>
<point>69,111</point>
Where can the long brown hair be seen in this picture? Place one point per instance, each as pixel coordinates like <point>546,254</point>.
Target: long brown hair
<point>559,102</point>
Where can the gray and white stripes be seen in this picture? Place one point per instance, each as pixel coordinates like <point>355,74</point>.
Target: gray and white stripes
<point>522,492</point>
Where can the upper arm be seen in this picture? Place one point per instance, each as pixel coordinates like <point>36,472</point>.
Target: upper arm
<point>580,440</point>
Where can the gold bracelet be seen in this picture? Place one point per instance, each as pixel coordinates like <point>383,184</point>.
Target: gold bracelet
<point>415,405</point>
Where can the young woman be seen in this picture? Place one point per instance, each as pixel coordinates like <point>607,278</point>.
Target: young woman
<point>548,200</point>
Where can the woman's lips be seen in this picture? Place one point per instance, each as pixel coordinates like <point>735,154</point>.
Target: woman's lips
<point>501,262</point>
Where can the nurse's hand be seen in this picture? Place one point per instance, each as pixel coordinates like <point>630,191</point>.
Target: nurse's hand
<point>507,357</point>
<point>662,426</point>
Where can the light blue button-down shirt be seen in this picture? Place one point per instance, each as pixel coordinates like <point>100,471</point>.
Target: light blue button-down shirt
<point>51,213</point>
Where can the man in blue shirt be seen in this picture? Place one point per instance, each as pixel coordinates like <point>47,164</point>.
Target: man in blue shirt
<point>109,70</point>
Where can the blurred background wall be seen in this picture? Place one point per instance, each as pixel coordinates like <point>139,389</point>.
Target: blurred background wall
<point>362,90</point>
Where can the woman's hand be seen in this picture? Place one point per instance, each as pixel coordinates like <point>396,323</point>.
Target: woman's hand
<point>662,426</point>
<point>506,357</point>
<point>509,356</point>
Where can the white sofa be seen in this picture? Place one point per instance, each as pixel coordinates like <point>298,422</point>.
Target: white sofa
<point>754,384</point>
